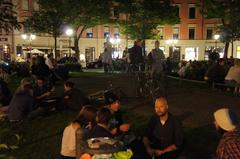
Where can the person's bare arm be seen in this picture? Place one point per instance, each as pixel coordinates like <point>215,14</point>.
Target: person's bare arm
<point>146,143</point>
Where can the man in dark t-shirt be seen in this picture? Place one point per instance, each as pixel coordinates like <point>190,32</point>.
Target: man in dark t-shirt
<point>163,136</point>
<point>116,124</point>
<point>101,129</point>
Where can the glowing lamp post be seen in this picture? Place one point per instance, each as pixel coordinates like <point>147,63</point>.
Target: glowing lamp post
<point>29,37</point>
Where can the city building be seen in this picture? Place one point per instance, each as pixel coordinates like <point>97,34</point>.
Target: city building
<point>189,40</point>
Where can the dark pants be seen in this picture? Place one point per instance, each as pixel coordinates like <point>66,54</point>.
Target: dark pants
<point>66,157</point>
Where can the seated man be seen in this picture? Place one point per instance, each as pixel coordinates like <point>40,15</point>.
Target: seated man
<point>40,90</point>
<point>116,124</point>
<point>73,98</point>
<point>101,129</point>
<point>216,73</point>
<point>163,135</point>
<point>22,102</point>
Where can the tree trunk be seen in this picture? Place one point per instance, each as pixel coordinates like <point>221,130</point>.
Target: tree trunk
<point>232,49</point>
<point>226,50</point>
<point>55,46</point>
<point>76,48</point>
<point>76,41</point>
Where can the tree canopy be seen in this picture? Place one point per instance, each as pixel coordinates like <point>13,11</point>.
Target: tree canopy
<point>54,17</point>
<point>8,19</point>
<point>228,12</point>
<point>145,16</point>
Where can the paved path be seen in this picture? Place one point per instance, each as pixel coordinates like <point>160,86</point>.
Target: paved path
<point>194,106</point>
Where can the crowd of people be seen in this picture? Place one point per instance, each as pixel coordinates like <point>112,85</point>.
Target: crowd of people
<point>36,94</point>
<point>163,136</point>
<point>219,72</point>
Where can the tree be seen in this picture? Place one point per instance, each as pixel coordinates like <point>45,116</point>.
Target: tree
<point>49,19</point>
<point>228,12</point>
<point>85,14</point>
<point>144,17</point>
<point>8,19</point>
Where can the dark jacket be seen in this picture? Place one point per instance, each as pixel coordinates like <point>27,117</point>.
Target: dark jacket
<point>216,73</point>
<point>136,55</point>
<point>76,100</point>
<point>21,105</point>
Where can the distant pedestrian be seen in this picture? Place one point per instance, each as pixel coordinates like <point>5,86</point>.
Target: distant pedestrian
<point>107,57</point>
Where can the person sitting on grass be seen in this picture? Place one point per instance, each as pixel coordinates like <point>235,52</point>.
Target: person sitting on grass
<point>163,136</point>
<point>73,98</point>
<point>226,123</point>
<point>22,102</point>
<point>85,120</point>
<point>40,90</point>
<point>116,124</point>
<point>101,129</point>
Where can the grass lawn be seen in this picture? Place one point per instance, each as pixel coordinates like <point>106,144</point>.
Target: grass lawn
<point>84,74</point>
<point>41,138</point>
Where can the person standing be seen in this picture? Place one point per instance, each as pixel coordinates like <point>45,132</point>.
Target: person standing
<point>136,56</point>
<point>226,123</point>
<point>107,57</point>
<point>156,58</point>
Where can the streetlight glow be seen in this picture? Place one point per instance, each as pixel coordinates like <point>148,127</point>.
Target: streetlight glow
<point>24,36</point>
<point>32,37</point>
<point>216,36</point>
<point>69,32</point>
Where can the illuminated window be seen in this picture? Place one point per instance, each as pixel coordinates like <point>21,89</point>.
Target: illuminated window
<point>35,5</point>
<point>191,53</point>
<point>89,33</point>
<point>106,32</point>
<point>25,4</point>
<point>116,32</point>
<point>238,52</point>
<point>175,33</point>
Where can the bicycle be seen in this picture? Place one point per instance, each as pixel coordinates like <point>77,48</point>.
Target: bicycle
<point>148,86</point>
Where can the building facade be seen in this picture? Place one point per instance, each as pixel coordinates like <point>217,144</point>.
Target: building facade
<point>188,40</point>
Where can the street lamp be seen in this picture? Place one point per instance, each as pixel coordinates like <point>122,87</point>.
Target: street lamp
<point>29,37</point>
<point>216,37</point>
<point>69,33</point>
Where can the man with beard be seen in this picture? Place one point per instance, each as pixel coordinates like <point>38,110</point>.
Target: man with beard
<point>226,123</point>
<point>163,136</point>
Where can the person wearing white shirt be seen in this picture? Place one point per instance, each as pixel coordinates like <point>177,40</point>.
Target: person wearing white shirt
<point>233,75</point>
<point>48,61</point>
<point>85,120</point>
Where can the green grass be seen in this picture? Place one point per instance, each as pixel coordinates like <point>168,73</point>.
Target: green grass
<point>41,138</point>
